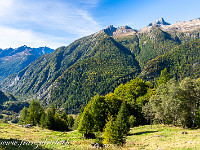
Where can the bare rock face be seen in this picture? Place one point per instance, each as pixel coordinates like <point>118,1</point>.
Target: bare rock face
<point>120,31</point>
<point>160,22</point>
<point>109,30</point>
<point>181,26</point>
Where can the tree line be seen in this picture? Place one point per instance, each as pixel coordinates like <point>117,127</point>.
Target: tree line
<point>49,118</point>
<point>137,102</point>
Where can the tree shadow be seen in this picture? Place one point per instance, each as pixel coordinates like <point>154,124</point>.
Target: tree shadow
<point>140,133</point>
<point>14,144</point>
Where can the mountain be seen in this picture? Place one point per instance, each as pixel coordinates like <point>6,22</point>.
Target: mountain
<point>183,61</point>
<point>14,60</point>
<point>96,64</point>
<point>6,97</point>
<point>93,60</point>
<point>108,65</point>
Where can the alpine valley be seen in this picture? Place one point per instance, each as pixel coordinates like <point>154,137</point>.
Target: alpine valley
<point>69,76</point>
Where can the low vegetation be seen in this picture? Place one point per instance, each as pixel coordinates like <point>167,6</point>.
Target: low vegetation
<point>143,137</point>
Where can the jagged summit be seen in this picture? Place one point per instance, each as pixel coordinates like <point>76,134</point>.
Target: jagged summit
<point>110,30</point>
<point>180,26</point>
<point>120,31</point>
<point>159,22</point>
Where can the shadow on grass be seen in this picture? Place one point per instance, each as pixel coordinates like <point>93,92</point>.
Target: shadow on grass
<point>140,133</point>
<point>13,144</point>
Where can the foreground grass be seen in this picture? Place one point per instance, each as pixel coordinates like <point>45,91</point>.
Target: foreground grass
<point>160,137</point>
<point>43,138</point>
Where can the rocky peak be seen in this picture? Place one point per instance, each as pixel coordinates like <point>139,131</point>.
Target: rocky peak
<point>120,31</point>
<point>124,27</point>
<point>109,30</point>
<point>159,22</point>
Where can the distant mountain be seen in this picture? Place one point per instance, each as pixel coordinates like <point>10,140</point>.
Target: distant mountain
<point>98,63</point>
<point>14,60</point>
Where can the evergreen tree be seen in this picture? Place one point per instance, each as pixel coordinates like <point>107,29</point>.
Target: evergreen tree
<point>86,124</point>
<point>64,115</point>
<point>109,132</point>
<point>164,77</point>
<point>98,109</point>
<point>70,121</point>
<point>116,131</point>
<point>42,120</point>
<point>35,112</point>
<point>49,119</point>
<point>23,116</point>
<point>122,122</point>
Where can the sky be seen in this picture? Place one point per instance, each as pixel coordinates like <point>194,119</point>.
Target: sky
<point>55,23</point>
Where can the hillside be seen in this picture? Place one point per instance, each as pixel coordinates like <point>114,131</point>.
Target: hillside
<point>98,63</point>
<point>109,64</point>
<point>14,60</point>
<point>6,97</point>
<point>182,62</point>
<point>36,79</point>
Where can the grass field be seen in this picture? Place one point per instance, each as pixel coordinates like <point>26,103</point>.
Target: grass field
<point>160,137</point>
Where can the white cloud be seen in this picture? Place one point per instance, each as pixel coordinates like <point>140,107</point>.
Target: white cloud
<point>33,22</point>
<point>10,37</point>
<point>5,5</point>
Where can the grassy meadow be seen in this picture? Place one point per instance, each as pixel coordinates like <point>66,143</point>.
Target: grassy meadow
<point>160,137</point>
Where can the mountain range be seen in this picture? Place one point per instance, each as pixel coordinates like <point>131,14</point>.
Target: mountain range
<point>98,63</point>
<point>14,60</point>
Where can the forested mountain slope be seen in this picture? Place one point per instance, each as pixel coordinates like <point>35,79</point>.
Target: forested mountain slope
<point>183,61</point>
<point>106,66</point>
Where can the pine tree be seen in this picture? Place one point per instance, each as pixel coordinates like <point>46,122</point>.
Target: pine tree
<point>86,124</point>
<point>23,116</point>
<point>49,119</point>
<point>116,131</point>
<point>70,121</point>
<point>109,132</point>
<point>122,123</point>
<point>164,77</point>
<point>35,112</point>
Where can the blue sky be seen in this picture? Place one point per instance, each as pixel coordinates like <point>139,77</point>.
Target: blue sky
<point>56,23</point>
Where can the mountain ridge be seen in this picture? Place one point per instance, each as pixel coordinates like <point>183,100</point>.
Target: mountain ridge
<point>14,60</point>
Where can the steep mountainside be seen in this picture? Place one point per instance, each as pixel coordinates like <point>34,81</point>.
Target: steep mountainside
<point>109,64</point>
<point>98,63</point>
<point>182,62</point>
<point>35,80</point>
<point>147,46</point>
<point>14,60</point>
